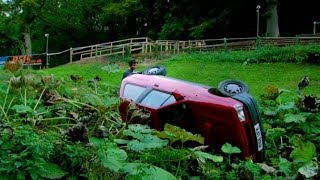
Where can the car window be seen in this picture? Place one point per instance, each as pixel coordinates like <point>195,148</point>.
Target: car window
<point>170,100</point>
<point>156,99</point>
<point>132,91</point>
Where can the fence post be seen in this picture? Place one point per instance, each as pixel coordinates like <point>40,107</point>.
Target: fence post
<point>71,54</point>
<point>96,50</point>
<point>142,47</point>
<point>146,45</point>
<point>225,43</point>
<point>178,48</point>
<point>297,40</point>
<point>130,45</point>
<point>150,46</point>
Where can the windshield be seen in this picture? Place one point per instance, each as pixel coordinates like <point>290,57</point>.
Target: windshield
<point>156,99</point>
<point>132,91</point>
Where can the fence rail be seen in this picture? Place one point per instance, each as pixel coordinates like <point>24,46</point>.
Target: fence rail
<point>147,45</point>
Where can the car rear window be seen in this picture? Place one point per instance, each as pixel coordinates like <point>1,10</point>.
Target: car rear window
<point>132,91</point>
<point>156,99</point>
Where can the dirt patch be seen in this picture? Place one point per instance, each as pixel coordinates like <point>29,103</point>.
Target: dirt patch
<point>102,61</point>
<point>146,59</point>
<point>98,60</point>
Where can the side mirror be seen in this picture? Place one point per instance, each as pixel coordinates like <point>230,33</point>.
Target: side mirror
<point>177,96</point>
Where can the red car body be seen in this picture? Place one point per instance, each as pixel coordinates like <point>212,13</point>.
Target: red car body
<point>191,106</point>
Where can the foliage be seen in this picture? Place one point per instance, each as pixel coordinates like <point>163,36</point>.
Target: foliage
<point>266,54</point>
<point>142,138</point>
<point>172,29</point>
<point>144,171</point>
<point>174,134</point>
<point>227,148</point>
<point>54,127</point>
<point>71,23</point>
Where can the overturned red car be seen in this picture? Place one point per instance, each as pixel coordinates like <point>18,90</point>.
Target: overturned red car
<point>227,113</point>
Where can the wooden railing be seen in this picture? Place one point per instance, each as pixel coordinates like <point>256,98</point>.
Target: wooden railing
<point>121,47</point>
<point>147,45</point>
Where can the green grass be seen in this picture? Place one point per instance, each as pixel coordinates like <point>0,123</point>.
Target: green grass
<point>202,69</point>
<point>212,68</point>
<point>88,71</point>
<point>257,76</point>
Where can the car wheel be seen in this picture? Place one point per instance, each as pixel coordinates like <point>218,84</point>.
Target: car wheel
<point>155,70</point>
<point>233,87</point>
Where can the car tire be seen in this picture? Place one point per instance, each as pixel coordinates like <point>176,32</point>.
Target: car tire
<point>155,70</point>
<point>233,87</point>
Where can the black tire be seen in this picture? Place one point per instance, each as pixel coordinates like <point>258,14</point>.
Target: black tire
<point>233,87</point>
<point>155,70</point>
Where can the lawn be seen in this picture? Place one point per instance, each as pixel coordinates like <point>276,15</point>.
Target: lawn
<point>257,76</point>
<point>206,71</point>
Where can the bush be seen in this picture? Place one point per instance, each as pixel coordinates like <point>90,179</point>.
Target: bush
<point>269,54</point>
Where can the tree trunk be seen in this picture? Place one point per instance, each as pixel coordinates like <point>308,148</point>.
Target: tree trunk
<point>272,18</point>
<point>27,41</point>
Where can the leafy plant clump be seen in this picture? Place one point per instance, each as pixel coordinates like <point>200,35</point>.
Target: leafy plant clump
<point>64,128</point>
<point>266,54</point>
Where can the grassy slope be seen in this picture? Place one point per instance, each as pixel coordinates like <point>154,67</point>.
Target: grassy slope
<point>257,76</point>
<point>204,69</point>
<point>88,71</point>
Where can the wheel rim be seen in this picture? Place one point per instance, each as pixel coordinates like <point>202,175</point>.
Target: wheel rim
<point>233,88</point>
<point>153,71</point>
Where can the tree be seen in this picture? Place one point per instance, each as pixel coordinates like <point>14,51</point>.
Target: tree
<point>24,13</point>
<point>272,18</point>
<point>9,32</point>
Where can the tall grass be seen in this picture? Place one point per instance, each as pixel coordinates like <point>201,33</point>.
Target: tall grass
<point>289,54</point>
<point>280,67</point>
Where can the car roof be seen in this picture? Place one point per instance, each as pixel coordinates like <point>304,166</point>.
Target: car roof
<point>189,90</point>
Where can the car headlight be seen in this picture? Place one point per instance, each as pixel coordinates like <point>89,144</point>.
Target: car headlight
<point>240,112</point>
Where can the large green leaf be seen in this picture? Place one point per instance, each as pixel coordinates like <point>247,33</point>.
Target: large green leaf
<point>110,101</point>
<point>285,166</point>
<point>110,154</point>
<point>174,133</point>
<point>203,155</point>
<point>53,171</point>
<point>138,128</point>
<point>229,149</point>
<point>111,68</point>
<point>309,170</point>
<point>304,152</point>
<point>97,141</point>
<point>114,158</point>
<point>93,99</point>
<point>297,118</point>
<point>143,138</point>
<point>139,171</point>
<point>22,109</point>
<point>145,142</point>
<point>287,106</point>
<point>275,133</point>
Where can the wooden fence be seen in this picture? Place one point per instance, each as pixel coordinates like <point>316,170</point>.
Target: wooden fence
<point>132,45</point>
<point>147,45</point>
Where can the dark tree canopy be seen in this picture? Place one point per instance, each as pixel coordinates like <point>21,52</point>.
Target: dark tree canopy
<point>73,23</point>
